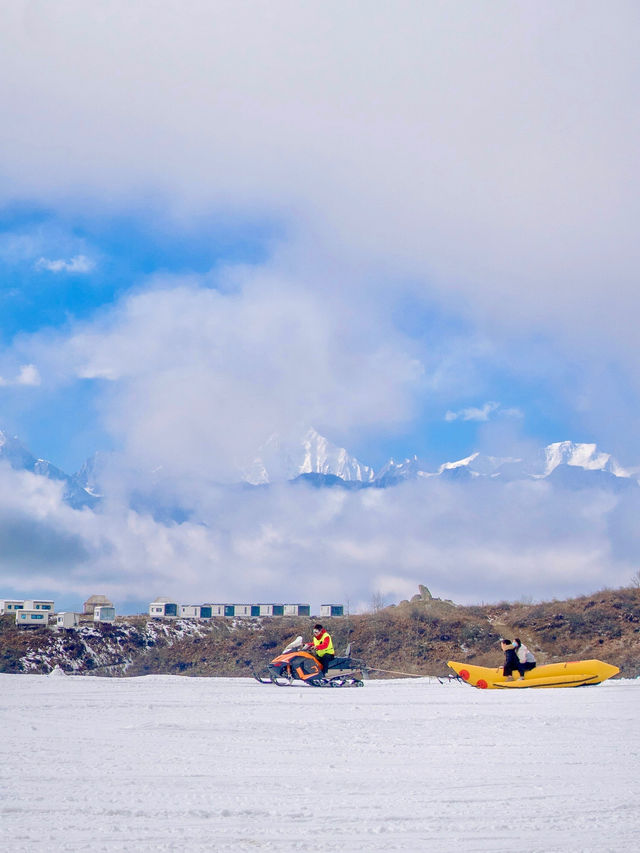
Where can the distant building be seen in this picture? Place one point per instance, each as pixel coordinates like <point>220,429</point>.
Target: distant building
<point>39,604</point>
<point>270,610</point>
<point>30,618</point>
<point>95,601</point>
<point>104,613</point>
<point>297,610</point>
<point>67,619</point>
<point>216,609</point>
<point>10,605</point>
<point>197,611</point>
<point>332,610</point>
<point>164,608</point>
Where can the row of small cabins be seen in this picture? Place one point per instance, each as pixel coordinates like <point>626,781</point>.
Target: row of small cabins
<point>164,608</point>
<point>38,612</point>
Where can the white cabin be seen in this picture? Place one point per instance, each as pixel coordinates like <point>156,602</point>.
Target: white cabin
<point>67,619</point>
<point>28,618</point>
<point>213,610</point>
<point>103,613</point>
<point>332,610</point>
<point>297,610</point>
<point>39,604</point>
<point>164,608</point>
<point>10,605</point>
<point>197,611</point>
<point>271,609</point>
<point>242,610</point>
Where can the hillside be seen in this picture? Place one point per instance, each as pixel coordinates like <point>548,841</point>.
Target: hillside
<point>416,636</point>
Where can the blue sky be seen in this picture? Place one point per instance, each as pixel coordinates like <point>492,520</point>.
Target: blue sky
<point>60,268</point>
<point>63,268</point>
<point>412,228</point>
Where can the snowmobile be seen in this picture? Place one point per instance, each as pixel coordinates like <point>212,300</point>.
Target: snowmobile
<point>297,663</point>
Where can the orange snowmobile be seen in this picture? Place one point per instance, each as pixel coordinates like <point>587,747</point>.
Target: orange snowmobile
<point>295,663</point>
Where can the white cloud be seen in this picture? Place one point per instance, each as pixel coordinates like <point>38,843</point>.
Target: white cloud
<point>199,379</point>
<point>502,143</point>
<point>487,161</point>
<point>28,375</point>
<point>77,264</point>
<point>483,413</point>
<point>487,542</point>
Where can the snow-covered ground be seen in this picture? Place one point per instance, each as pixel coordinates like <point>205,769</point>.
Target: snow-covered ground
<point>170,763</point>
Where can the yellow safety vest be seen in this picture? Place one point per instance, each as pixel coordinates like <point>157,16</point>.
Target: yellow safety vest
<point>318,641</point>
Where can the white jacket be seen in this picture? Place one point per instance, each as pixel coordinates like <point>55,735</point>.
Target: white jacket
<point>524,655</point>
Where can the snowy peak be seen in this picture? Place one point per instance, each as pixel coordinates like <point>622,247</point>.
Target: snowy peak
<point>563,456</point>
<point>461,463</point>
<point>322,463</point>
<point>90,476</point>
<point>585,456</point>
<point>405,470</point>
<point>481,465</point>
<point>20,459</point>
<point>279,460</point>
<point>15,453</point>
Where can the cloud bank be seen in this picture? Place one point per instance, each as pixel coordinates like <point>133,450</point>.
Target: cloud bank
<point>195,379</point>
<point>478,167</point>
<point>478,542</point>
<point>492,153</point>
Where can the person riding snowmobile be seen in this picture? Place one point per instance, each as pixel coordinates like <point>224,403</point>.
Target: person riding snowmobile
<point>322,646</point>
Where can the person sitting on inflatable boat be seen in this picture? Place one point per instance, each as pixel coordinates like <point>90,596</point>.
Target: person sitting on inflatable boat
<point>322,646</point>
<point>511,661</point>
<point>526,659</point>
<point>516,656</point>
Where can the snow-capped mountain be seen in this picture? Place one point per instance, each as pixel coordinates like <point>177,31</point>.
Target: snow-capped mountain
<point>315,456</point>
<point>585,456</point>
<point>475,465</point>
<point>279,460</point>
<point>316,460</point>
<point>481,465</point>
<point>568,463</point>
<point>89,477</point>
<point>20,459</point>
<point>13,452</point>
<point>394,472</point>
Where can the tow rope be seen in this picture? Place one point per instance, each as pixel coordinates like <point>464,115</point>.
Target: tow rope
<point>442,679</point>
<point>396,672</point>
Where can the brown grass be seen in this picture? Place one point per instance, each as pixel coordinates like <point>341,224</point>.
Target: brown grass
<point>417,637</point>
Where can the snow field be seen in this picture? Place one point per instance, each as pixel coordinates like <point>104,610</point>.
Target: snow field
<point>172,763</point>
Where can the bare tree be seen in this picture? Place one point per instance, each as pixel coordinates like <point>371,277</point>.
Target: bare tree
<point>377,601</point>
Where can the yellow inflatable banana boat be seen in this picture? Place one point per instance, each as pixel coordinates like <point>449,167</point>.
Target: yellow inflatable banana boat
<point>577,673</point>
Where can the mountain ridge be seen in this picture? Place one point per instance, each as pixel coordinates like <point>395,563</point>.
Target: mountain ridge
<point>317,461</point>
<point>21,459</point>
